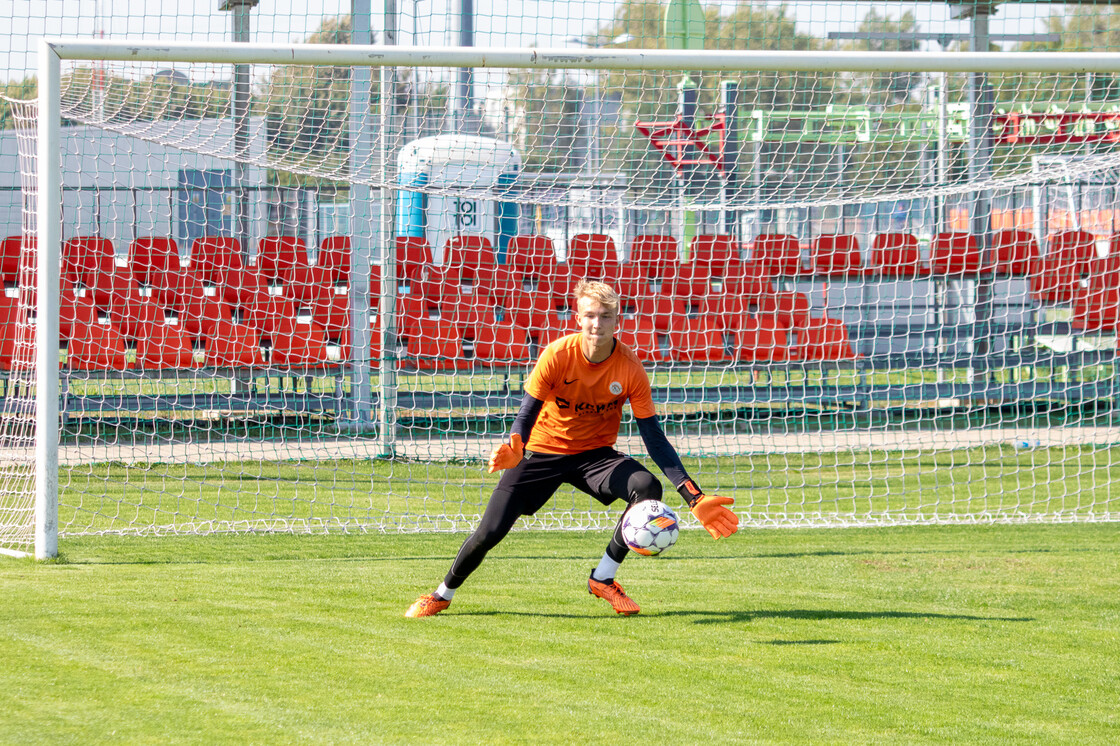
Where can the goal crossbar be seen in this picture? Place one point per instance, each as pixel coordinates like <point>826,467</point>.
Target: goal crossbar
<point>604,59</point>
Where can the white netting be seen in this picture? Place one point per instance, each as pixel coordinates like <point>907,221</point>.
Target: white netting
<point>860,309</point>
<point>17,358</point>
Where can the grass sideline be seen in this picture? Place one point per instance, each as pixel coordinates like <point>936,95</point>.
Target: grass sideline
<point>978,634</point>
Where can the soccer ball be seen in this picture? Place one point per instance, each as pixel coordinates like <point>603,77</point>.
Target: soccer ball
<point>650,527</point>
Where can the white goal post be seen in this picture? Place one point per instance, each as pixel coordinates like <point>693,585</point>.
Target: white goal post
<point>48,221</point>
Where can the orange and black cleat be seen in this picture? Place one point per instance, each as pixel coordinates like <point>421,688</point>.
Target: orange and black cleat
<point>428,605</point>
<point>613,594</point>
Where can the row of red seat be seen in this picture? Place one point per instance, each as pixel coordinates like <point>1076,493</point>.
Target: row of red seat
<point>154,262</point>
<point>1013,253</point>
<point>285,258</point>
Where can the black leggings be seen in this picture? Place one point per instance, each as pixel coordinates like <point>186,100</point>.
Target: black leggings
<point>603,473</point>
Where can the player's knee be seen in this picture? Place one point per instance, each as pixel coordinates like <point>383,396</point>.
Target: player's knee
<point>643,486</point>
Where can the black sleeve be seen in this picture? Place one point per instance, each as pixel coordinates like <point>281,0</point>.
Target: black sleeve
<point>526,417</point>
<point>666,458</point>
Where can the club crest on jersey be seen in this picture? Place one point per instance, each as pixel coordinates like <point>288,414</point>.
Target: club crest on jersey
<point>615,388</point>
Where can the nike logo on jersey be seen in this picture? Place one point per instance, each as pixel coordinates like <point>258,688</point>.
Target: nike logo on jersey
<point>569,383</point>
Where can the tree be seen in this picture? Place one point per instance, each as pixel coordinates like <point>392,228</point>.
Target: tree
<point>24,90</point>
<point>547,128</point>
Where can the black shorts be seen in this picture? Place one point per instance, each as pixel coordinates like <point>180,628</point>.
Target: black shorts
<point>602,473</point>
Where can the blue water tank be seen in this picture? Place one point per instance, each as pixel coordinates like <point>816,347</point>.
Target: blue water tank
<point>469,187</point>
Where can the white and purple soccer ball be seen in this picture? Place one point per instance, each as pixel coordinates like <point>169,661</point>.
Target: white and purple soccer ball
<point>650,527</point>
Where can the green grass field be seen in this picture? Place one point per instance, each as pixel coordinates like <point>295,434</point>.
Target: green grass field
<point>983,634</point>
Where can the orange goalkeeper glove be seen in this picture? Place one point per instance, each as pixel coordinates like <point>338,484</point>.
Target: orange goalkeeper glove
<point>507,455</point>
<point>718,520</point>
<point>710,510</point>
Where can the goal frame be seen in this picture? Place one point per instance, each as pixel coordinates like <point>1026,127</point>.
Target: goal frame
<point>48,218</point>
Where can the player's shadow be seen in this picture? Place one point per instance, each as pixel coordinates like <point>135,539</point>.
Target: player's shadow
<point>738,617</point>
<point>819,615</point>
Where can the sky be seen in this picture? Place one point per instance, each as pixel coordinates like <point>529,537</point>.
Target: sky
<point>538,23</point>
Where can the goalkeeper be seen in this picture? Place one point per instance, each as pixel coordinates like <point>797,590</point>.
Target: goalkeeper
<point>565,433</point>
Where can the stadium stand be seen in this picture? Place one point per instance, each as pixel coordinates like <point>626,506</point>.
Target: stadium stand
<point>718,307</point>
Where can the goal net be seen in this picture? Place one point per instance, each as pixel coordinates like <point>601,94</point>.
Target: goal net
<point>299,293</point>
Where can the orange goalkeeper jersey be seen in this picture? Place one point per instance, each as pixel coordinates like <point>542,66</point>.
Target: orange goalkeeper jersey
<point>583,400</point>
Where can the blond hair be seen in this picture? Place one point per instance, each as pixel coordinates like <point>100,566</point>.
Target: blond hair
<point>599,291</point>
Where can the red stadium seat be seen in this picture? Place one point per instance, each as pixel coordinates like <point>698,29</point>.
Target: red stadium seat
<point>825,339</point>
<point>725,310</point>
<point>653,258</point>
<point>296,343</point>
<point>232,345</point>
<point>312,282</point>
<point>777,254</point>
<point>278,257</point>
<point>271,314</point>
<point>332,312</point>
<point>169,286</point>
<point>715,252</point>
<point>762,339</point>
<point>414,257</point>
<point>437,344</point>
<point>334,256</point>
<point>96,346</point>
<point>592,256</point>
<point>531,261</point>
<point>659,311</point>
<point>73,309</point>
<point>200,314</point>
<point>688,282</point>
<point>896,255</point>
<point>104,287</point>
<point>529,309</point>
<point>1096,309</point>
<point>836,255</point>
<point>752,283</point>
<point>86,256</point>
<point>149,254</point>
<point>162,345</point>
<point>469,312</point>
<point>501,344</point>
<point>1105,271</point>
<point>536,254</point>
<point>469,251</point>
<point>12,332</point>
<point>213,258</point>
<point>1014,252</point>
<point>132,313</point>
<point>1054,279</point>
<point>244,286</point>
<point>697,341</point>
<point>791,309</point>
<point>954,254</point>
<point>1076,248</point>
<point>10,249</point>
<point>641,337</point>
